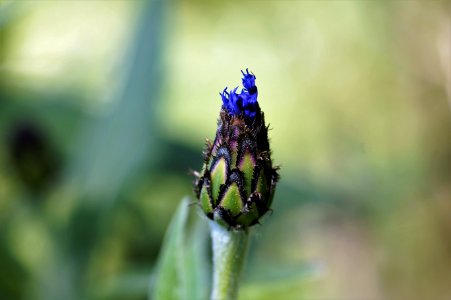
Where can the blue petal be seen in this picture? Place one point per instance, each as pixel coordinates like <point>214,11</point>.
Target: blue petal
<point>245,102</point>
<point>249,82</point>
<point>225,97</point>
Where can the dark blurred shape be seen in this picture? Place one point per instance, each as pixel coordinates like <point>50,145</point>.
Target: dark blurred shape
<point>176,158</point>
<point>32,156</point>
<point>12,275</point>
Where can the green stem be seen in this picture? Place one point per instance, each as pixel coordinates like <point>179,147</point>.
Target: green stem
<point>229,251</point>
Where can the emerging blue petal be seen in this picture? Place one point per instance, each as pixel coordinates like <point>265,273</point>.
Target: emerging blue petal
<point>244,102</point>
<point>225,97</point>
<point>249,82</point>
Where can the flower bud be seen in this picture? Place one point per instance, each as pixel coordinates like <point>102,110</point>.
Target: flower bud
<point>236,184</point>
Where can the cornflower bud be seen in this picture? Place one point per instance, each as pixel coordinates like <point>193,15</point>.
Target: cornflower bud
<point>237,182</point>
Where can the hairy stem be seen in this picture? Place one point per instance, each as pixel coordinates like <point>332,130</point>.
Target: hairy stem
<point>229,251</point>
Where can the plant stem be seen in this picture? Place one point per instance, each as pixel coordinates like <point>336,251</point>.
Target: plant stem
<point>229,251</point>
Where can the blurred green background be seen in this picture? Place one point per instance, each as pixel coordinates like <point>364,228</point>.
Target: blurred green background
<point>104,107</point>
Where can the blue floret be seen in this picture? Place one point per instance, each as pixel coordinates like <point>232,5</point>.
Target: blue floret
<point>249,82</point>
<point>244,102</point>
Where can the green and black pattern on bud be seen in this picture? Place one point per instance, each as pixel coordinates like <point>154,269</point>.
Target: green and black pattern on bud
<point>237,182</point>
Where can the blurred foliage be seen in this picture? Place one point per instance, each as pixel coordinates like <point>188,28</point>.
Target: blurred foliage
<point>104,106</point>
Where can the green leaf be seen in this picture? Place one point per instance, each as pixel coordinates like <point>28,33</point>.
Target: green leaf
<point>197,262</point>
<point>169,282</point>
<point>116,145</point>
<point>182,269</point>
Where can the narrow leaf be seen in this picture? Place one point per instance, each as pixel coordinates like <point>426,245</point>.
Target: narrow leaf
<point>169,280</point>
